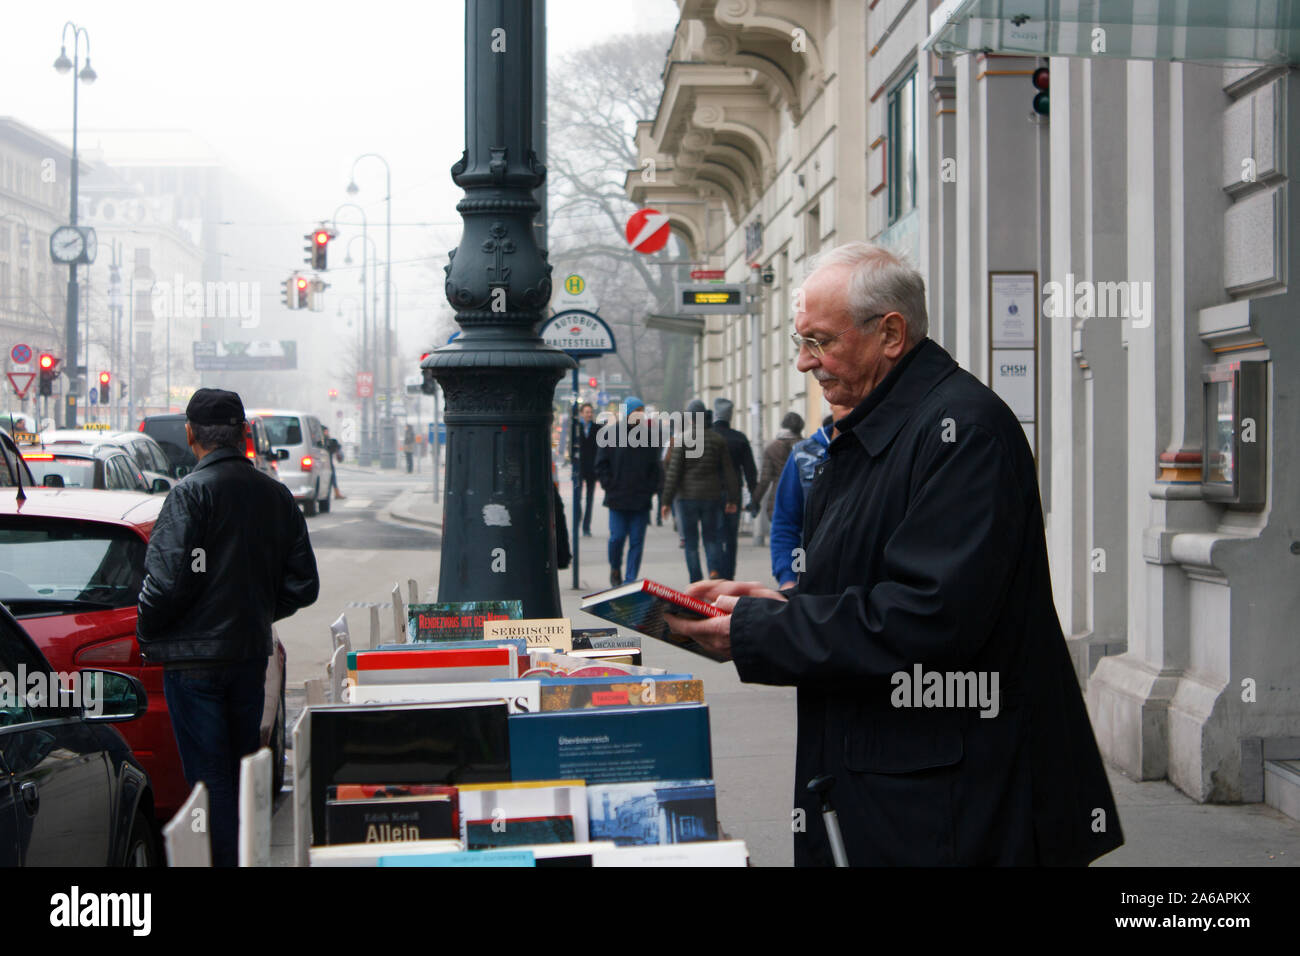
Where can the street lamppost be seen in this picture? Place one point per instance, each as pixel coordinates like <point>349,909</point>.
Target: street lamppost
<point>367,438</point>
<point>388,452</point>
<point>369,253</point>
<point>86,75</point>
<point>498,377</point>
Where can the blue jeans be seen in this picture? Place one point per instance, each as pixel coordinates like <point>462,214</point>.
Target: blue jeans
<point>730,541</point>
<point>216,715</point>
<point>629,526</point>
<point>698,518</point>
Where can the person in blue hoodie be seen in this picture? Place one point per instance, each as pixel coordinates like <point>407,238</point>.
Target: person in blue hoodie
<point>786,534</point>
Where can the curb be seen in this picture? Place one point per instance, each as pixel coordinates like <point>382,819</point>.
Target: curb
<point>401,509</point>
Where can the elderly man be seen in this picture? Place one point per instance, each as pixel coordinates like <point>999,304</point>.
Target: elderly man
<point>933,680</point>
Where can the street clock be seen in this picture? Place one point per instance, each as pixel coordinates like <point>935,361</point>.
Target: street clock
<point>70,245</point>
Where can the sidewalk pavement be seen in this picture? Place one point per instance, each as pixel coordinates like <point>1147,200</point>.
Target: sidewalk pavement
<point>753,729</point>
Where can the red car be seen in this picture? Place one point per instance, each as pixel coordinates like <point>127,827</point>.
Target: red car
<point>71,566</point>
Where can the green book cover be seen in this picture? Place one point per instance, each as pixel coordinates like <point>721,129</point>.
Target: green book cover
<point>457,620</point>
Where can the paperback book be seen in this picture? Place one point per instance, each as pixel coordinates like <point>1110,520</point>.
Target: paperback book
<point>583,693</point>
<point>520,696</point>
<point>457,620</point>
<point>612,744</point>
<point>390,813</point>
<point>436,665</point>
<point>640,606</point>
<point>652,813</point>
<point>521,813</point>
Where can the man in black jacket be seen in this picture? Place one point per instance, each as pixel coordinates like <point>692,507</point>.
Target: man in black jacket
<point>742,459</point>
<point>229,555</point>
<point>933,679</point>
<point>629,472</point>
<point>584,470</point>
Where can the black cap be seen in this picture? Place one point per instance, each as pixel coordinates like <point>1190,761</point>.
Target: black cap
<point>215,406</point>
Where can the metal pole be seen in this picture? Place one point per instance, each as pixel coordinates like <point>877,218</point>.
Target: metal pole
<point>498,376</point>
<point>389,459</point>
<point>130,348</point>
<point>575,469</point>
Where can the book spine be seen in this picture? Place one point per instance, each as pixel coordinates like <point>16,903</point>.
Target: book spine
<point>685,600</point>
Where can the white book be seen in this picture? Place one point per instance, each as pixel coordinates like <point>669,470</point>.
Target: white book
<point>720,853</point>
<point>548,851</point>
<point>521,696</point>
<point>368,854</point>
<point>490,807</point>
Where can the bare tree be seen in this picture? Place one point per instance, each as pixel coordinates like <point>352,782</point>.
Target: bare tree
<point>596,96</point>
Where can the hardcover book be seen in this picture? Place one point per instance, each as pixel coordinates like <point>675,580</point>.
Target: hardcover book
<point>390,813</point>
<point>515,813</point>
<point>368,854</point>
<point>451,744</point>
<point>645,814</point>
<point>457,620</point>
<point>520,696</point>
<point>552,632</point>
<point>577,694</point>
<point>613,744</point>
<point>719,853</point>
<point>544,665</point>
<point>504,858</point>
<point>436,665</point>
<point>640,606</point>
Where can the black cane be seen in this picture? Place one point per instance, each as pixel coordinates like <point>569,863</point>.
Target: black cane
<point>822,786</point>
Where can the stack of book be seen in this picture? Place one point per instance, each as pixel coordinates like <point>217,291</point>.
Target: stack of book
<point>493,740</point>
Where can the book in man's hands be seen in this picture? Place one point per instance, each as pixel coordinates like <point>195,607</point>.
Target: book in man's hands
<point>640,606</point>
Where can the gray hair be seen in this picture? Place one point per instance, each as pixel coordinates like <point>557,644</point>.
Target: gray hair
<point>881,281</point>
<point>213,437</point>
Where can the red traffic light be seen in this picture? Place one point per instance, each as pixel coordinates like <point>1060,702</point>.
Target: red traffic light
<point>591,382</point>
<point>321,237</point>
<point>103,378</point>
<point>1041,78</point>
<point>47,361</point>
<point>302,282</point>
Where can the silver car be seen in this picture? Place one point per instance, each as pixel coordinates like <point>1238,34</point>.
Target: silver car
<point>306,464</point>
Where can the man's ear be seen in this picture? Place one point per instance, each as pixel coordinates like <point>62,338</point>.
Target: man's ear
<point>189,435</point>
<point>893,330</point>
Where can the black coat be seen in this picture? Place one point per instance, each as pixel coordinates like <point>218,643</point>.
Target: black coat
<point>587,449</point>
<point>630,476</point>
<point>256,565</point>
<point>742,456</point>
<point>925,546</point>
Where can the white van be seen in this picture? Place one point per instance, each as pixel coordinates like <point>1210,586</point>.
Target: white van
<point>306,465</point>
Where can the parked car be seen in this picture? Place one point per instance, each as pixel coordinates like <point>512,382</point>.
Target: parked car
<point>306,464</point>
<point>73,564</point>
<point>103,467</point>
<point>71,791</point>
<point>145,454</point>
<point>15,469</point>
<point>169,432</point>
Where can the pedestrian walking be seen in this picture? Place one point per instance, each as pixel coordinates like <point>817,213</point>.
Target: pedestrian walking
<point>926,568</point>
<point>584,473</point>
<point>228,556</point>
<point>630,475</point>
<point>700,487</point>
<point>408,448</point>
<point>786,543</point>
<point>774,458</point>
<point>742,459</point>
<point>335,450</point>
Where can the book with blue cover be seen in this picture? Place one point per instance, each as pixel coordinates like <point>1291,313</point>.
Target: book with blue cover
<point>613,744</point>
<point>464,858</point>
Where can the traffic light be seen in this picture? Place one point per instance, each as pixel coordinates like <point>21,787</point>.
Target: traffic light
<point>289,294</point>
<point>319,245</point>
<point>48,364</point>
<point>591,382</point>
<point>303,285</point>
<point>334,394</point>
<point>1042,101</point>
<point>104,397</point>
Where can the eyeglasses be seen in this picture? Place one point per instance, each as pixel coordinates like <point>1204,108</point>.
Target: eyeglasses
<point>818,348</point>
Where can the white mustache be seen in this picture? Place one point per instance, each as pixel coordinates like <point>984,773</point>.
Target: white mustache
<point>822,375</point>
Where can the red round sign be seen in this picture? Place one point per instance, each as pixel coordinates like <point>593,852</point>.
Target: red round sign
<point>647,230</point>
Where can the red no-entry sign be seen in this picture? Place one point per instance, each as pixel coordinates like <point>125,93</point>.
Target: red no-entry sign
<point>647,230</point>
